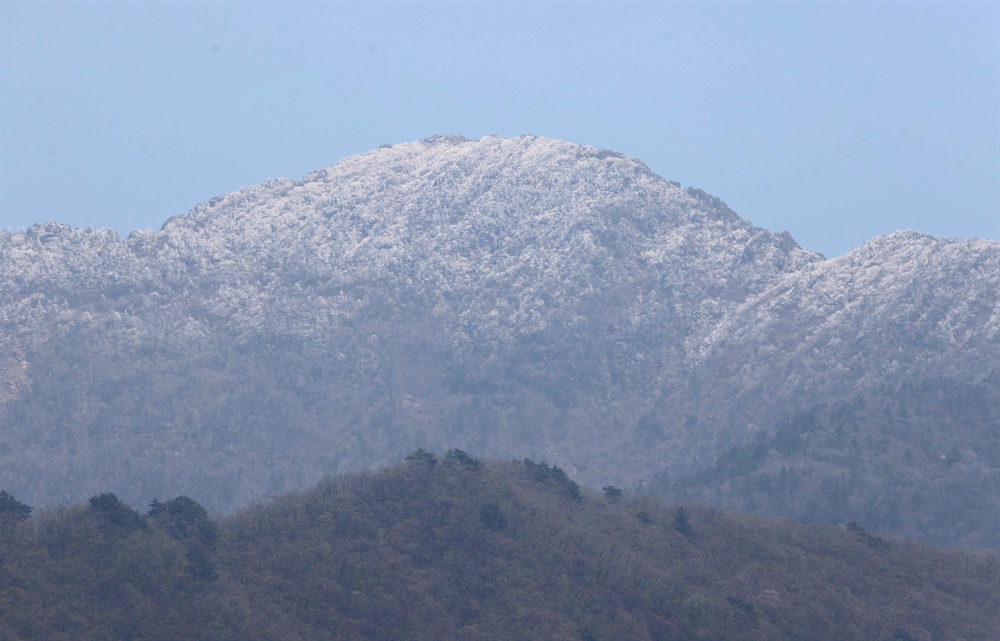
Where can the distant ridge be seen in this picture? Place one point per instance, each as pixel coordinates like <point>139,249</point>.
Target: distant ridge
<point>514,297</point>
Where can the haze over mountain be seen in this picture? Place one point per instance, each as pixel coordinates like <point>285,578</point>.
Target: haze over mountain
<point>512,297</point>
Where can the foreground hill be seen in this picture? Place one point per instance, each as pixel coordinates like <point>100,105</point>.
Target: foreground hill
<point>455,548</point>
<point>516,297</point>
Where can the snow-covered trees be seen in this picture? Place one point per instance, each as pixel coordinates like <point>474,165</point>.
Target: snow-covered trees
<point>519,297</point>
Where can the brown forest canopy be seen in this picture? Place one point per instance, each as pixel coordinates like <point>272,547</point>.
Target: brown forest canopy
<point>454,547</point>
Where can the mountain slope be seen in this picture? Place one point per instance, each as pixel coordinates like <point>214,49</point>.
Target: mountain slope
<point>515,297</point>
<point>462,549</point>
<point>847,316</point>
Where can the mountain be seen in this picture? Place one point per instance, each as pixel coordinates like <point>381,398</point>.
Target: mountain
<point>866,386</point>
<point>512,297</point>
<point>458,548</point>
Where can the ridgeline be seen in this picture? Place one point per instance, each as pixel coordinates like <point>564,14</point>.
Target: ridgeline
<point>455,548</point>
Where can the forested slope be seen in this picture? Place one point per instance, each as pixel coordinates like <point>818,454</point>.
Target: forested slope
<point>458,548</point>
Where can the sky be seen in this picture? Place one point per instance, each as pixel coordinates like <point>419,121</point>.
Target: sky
<point>834,121</point>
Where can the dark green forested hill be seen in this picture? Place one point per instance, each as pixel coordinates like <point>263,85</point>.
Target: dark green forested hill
<point>456,548</point>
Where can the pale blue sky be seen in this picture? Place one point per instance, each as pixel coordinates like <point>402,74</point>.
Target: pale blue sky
<point>834,121</point>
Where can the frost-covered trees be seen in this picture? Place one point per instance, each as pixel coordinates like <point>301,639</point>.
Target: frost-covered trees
<point>516,297</point>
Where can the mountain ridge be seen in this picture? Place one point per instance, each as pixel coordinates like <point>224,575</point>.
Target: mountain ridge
<point>455,547</point>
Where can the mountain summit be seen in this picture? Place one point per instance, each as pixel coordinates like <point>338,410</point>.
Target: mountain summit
<point>512,297</point>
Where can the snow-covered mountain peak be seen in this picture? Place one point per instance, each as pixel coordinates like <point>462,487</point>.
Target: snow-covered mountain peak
<point>457,171</point>
<point>509,296</point>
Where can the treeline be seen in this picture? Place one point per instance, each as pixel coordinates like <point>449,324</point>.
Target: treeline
<point>454,547</point>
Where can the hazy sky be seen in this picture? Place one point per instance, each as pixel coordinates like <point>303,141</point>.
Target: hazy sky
<point>834,121</point>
